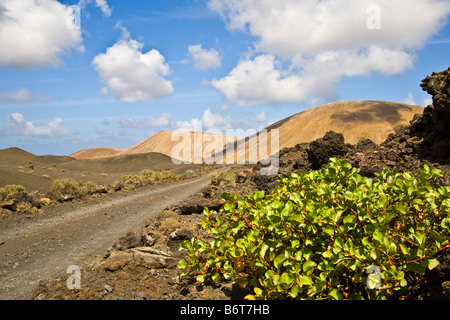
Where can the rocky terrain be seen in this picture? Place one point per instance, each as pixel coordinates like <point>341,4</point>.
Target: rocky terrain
<point>142,264</point>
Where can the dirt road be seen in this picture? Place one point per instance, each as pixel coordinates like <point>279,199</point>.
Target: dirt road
<point>69,234</point>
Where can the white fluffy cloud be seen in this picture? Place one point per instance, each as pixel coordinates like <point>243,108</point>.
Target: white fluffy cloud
<point>16,124</point>
<point>204,58</point>
<point>260,117</point>
<point>258,81</point>
<point>213,121</point>
<point>160,122</point>
<point>36,33</point>
<point>323,41</point>
<point>21,95</point>
<point>132,75</point>
<point>104,7</point>
<point>101,4</point>
<point>410,99</point>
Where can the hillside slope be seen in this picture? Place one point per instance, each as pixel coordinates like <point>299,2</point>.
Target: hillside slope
<point>356,120</point>
<point>96,153</point>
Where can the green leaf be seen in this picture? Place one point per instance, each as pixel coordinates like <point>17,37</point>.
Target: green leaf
<point>182,264</point>
<point>334,294</point>
<point>200,278</point>
<point>306,281</point>
<point>439,238</point>
<point>420,237</point>
<point>370,228</point>
<point>258,291</point>
<point>240,243</point>
<point>382,200</point>
<point>327,254</point>
<point>329,231</point>
<point>296,218</point>
<point>286,278</point>
<point>298,255</point>
<point>432,263</point>
<point>242,282</point>
<point>446,203</point>
<point>404,249</point>
<point>445,223</point>
<point>401,208</point>
<point>215,277</point>
<point>378,236</point>
<point>349,219</point>
<point>264,248</point>
<point>416,267</point>
<point>295,291</point>
<point>349,195</point>
<point>278,261</point>
<point>308,267</point>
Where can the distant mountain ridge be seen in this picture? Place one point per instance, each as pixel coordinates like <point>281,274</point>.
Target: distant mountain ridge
<point>356,120</point>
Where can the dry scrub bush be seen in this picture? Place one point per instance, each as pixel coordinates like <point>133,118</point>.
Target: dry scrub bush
<point>10,190</point>
<point>69,188</point>
<point>225,177</point>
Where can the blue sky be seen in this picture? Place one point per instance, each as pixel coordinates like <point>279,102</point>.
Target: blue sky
<point>135,68</point>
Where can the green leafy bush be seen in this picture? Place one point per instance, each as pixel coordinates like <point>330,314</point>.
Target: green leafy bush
<point>326,234</point>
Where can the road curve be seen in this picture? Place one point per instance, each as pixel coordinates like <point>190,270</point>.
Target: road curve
<point>44,247</point>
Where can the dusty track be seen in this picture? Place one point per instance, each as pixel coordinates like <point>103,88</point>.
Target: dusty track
<point>70,234</point>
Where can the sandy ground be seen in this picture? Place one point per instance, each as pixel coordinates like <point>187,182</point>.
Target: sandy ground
<point>69,234</point>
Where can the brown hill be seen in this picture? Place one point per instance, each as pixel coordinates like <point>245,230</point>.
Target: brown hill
<point>96,153</point>
<point>38,172</point>
<point>165,142</point>
<point>158,143</point>
<point>356,120</point>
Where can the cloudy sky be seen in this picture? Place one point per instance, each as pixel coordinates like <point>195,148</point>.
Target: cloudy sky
<point>110,73</point>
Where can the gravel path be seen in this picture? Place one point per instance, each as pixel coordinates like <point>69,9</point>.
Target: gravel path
<point>69,234</point>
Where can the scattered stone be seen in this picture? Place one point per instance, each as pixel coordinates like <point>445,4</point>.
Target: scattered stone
<point>151,260</point>
<point>130,240</point>
<point>45,201</point>
<point>181,234</point>
<point>117,260</point>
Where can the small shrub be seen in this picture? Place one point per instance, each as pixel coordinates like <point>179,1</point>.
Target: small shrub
<point>321,234</point>
<point>10,190</point>
<point>225,177</point>
<point>169,224</point>
<point>132,181</point>
<point>116,186</point>
<point>46,176</point>
<point>147,174</point>
<point>27,208</point>
<point>17,200</point>
<point>167,176</point>
<point>68,188</point>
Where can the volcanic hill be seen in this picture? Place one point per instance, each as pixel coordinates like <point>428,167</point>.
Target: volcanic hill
<point>356,120</point>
